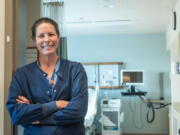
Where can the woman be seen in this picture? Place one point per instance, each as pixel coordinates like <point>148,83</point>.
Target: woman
<point>48,96</point>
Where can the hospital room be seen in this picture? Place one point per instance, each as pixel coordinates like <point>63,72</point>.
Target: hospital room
<point>130,50</point>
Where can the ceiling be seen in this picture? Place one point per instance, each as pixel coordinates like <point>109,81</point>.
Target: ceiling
<point>117,16</point>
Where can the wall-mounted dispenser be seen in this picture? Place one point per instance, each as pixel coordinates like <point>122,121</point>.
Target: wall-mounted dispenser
<point>177,68</point>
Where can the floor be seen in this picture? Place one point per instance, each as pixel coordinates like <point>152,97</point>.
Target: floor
<point>135,134</point>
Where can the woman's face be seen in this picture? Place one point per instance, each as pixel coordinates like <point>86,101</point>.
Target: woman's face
<point>46,39</point>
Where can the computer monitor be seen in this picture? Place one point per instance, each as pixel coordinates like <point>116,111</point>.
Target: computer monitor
<point>132,77</point>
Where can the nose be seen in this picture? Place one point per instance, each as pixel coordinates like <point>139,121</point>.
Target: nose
<point>46,38</point>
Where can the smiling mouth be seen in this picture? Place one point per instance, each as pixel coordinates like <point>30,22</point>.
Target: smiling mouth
<point>47,46</point>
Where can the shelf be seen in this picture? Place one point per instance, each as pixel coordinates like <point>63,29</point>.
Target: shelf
<point>102,63</point>
<point>108,87</point>
<point>133,93</point>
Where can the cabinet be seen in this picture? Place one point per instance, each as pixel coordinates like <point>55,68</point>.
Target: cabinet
<point>173,44</point>
<point>175,119</point>
<point>174,25</point>
<point>107,74</point>
<point>175,76</point>
<point>171,32</point>
<point>175,87</point>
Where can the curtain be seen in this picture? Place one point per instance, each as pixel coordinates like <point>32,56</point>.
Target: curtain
<point>54,9</point>
<point>62,48</point>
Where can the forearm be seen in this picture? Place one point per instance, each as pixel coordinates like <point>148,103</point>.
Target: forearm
<point>64,120</point>
<point>74,112</point>
<point>23,113</point>
<point>59,105</point>
<point>47,109</point>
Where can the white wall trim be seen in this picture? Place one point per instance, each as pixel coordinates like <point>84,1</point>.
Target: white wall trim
<point>2,61</point>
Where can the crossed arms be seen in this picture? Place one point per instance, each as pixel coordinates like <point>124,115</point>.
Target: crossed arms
<point>59,112</point>
<point>60,104</point>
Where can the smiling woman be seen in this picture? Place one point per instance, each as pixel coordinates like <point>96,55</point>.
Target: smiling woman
<point>48,96</point>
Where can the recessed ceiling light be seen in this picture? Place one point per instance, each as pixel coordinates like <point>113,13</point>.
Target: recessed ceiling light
<point>108,3</point>
<point>81,18</point>
<point>111,6</point>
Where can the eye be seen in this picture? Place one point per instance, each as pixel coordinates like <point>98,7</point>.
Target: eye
<point>51,34</point>
<point>40,36</point>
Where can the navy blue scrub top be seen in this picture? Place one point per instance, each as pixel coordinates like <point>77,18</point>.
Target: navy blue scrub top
<point>31,82</point>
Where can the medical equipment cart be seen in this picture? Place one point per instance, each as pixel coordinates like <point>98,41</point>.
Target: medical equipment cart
<point>111,116</point>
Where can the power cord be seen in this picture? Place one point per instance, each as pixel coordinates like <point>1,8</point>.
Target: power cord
<point>150,107</point>
<point>163,106</point>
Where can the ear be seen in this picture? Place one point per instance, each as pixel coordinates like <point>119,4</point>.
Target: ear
<point>35,43</point>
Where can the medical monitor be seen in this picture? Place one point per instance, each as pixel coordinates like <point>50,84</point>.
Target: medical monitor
<point>132,77</point>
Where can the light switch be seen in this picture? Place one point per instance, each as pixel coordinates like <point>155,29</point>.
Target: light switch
<point>8,39</point>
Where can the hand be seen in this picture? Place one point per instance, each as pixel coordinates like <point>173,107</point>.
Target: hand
<point>22,99</point>
<point>61,104</point>
<point>36,122</point>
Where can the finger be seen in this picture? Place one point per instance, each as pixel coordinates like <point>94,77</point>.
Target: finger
<point>24,99</point>
<point>36,122</point>
<point>61,104</point>
<point>65,103</point>
<point>19,101</point>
